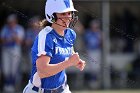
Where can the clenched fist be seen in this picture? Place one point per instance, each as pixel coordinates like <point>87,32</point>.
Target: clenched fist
<point>81,65</point>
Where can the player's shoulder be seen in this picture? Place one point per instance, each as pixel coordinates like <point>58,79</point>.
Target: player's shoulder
<point>20,27</point>
<point>45,31</point>
<point>71,32</point>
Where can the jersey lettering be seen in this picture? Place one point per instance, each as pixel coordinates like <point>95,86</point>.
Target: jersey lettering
<point>65,51</point>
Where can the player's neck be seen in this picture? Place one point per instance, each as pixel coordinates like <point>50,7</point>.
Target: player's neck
<point>58,29</point>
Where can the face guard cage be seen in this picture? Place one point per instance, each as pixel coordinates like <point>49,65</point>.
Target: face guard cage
<point>73,21</point>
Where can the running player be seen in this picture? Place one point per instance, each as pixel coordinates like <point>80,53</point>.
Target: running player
<point>52,51</point>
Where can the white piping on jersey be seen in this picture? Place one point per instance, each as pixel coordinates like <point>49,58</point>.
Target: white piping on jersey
<point>42,39</point>
<point>36,80</point>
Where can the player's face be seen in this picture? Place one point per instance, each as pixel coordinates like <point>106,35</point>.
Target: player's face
<point>12,23</point>
<point>64,18</point>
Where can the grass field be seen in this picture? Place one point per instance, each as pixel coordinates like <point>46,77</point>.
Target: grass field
<point>112,91</point>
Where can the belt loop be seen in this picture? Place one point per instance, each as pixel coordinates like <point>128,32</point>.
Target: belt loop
<point>40,90</point>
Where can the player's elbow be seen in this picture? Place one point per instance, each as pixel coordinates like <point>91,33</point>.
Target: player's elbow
<point>43,71</point>
<point>41,65</point>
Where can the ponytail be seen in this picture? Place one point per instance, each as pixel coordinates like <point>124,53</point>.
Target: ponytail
<point>44,23</point>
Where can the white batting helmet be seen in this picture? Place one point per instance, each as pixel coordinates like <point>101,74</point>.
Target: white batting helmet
<point>57,6</point>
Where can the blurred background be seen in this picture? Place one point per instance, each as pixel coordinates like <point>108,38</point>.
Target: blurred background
<point>108,39</point>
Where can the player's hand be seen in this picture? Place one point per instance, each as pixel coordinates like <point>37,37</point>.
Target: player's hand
<point>74,59</point>
<point>81,65</point>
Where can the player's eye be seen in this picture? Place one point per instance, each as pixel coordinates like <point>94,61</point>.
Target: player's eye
<point>69,13</point>
<point>64,14</point>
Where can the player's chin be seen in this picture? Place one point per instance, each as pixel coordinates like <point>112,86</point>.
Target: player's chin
<point>67,23</point>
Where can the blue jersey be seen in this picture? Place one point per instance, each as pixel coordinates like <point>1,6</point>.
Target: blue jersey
<point>8,34</point>
<point>92,39</point>
<point>58,48</point>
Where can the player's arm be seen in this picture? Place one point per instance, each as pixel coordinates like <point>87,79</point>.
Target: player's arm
<point>81,64</point>
<point>45,69</point>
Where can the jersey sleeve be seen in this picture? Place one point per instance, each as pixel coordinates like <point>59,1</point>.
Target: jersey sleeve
<point>45,45</point>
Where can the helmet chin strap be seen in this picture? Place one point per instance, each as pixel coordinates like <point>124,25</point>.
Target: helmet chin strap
<point>63,22</point>
<point>59,24</point>
<point>72,23</point>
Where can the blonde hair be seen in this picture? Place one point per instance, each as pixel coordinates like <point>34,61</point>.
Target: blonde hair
<point>44,23</point>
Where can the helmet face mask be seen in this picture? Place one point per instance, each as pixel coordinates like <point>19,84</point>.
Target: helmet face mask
<point>73,21</point>
<point>59,6</point>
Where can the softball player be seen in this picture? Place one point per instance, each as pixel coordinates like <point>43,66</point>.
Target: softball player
<point>52,51</point>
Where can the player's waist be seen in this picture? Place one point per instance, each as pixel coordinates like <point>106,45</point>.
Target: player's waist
<point>43,90</point>
<point>50,82</point>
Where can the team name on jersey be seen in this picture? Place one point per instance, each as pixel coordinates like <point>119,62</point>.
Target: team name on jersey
<point>64,51</point>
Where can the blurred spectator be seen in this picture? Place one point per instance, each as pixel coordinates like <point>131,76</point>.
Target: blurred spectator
<point>137,46</point>
<point>79,44</point>
<point>125,28</point>
<point>31,33</point>
<point>134,73</point>
<point>93,45</point>
<point>128,21</point>
<point>12,35</point>
<point>0,68</point>
<point>117,45</point>
<point>0,75</point>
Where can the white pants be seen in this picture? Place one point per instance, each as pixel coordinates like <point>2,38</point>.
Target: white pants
<point>28,89</point>
<point>10,61</point>
<point>11,57</point>
<point>94,60</point>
